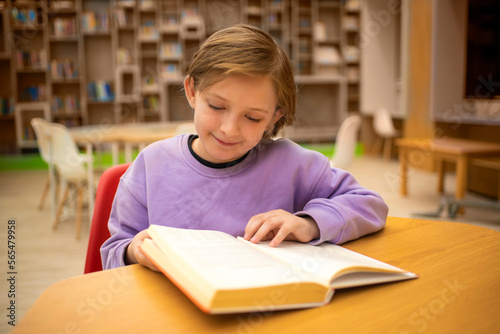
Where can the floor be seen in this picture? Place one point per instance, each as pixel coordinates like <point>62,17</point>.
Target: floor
<point>44,256</point>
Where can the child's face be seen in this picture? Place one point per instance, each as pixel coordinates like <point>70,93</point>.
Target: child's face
<point>232,115</point>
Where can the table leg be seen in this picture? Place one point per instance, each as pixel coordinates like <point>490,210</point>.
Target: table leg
<point>461,171</point>
<point>128,152</point>
<point>403,171</point>
<point>441,167</point>
<point>115,152</point>
<point>90,178</point>
<point>53,196</point>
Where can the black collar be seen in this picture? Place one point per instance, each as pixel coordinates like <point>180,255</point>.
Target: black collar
<point>211,164</point>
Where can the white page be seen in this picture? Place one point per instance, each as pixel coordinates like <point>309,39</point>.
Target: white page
<point>223,260</point>
<point>320,261</point>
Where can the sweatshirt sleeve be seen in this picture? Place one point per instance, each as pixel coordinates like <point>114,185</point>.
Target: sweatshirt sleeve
<point>342,208</point>
<point>129,215</point>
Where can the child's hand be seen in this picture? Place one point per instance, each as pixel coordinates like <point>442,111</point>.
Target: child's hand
<point>134,254</point>
<point>280,225</point>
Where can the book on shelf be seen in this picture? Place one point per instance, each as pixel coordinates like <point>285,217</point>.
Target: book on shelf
<point>171,50</point>
<point>64,27</point>
<point>151,104</point>
<point>95,22</point>
<point>63,69</point>
<point>122,17</point>
<point>24,16</point>
<point>28,133</point>
<point>169,71</point>
<point>100,91</point>
<point>148,31</point>
<point>124,56</point>
<point>7,105</point>
<point>68,104</point>
<point>223,274</point>
<point>170,22</point>
<point>149,82</point>
<point>32,59</point>
<point>33,94</point>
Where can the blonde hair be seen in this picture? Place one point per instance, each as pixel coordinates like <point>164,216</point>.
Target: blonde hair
<point>245,49</point>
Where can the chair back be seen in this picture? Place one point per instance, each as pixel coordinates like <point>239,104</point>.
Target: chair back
<point>345,144</point>
<point>40,126</point>
<point>105,194</point>
<point>65,154</point>
<point>382,123</point>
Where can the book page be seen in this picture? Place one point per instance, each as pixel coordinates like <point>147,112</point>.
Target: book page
<point>322,262</point>
<point>221,259</point>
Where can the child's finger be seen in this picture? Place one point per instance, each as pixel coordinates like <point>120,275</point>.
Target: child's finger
<point>281,235</point>
<point>265,229</point>
<point>253,226</point>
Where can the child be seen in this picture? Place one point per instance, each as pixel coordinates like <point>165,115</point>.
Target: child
<point>232,176</point>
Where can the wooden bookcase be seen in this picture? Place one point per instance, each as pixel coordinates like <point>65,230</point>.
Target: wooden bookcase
<point>351,20</point>
<point>118,61</point>
<point>30,79</point>
<point>64,46</point>
<point>7,124</point>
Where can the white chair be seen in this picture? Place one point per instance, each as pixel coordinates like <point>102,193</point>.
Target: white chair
<point>74,169</point>
<point>345,143</point>
<point>384,128</point>
<point>40,127</point>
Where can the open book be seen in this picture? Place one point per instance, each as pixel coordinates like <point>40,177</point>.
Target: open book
<point>223,274</point>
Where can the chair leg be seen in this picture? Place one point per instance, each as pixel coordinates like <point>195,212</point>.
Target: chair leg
<point>80,189</point>
<point>44,193</point>
<point>377,146</point>
<point>387,148</point>
<point>441,170</point>
<point>60,207</point>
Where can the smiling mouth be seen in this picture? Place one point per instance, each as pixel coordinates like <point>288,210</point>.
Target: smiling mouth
<point>223,143</point>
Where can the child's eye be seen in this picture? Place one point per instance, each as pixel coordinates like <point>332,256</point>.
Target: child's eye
<point>215,107</point>
<point>251,119</point>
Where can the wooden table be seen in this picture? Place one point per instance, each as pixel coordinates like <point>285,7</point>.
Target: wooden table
<point>139,134</point>
<point>412,152</point>
<point>458,291</point>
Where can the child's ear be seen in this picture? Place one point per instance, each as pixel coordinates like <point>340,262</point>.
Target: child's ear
<point>277,115</point>
<point>189,90</point>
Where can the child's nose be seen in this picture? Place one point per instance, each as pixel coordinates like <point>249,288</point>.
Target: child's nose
<point>229,125</point>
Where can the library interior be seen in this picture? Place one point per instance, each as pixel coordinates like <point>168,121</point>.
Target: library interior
<point>402,94</point>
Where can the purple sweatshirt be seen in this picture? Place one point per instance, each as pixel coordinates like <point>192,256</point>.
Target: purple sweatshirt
<point>166,185</point>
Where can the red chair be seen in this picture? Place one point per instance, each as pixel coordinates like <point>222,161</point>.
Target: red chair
<point>106,189</point>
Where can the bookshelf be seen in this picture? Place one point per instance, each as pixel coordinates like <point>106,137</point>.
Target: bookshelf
<point>7,123</point>
<point>63,47</point>
<point>94,62</point>
<point>351,53</point>
<point>30,79</point>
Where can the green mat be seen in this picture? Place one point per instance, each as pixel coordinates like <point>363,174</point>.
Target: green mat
<point>33,161</point>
